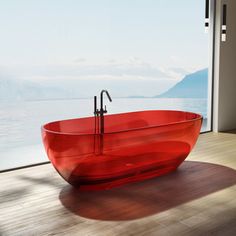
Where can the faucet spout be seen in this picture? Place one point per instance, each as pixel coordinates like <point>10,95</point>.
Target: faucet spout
<point>108,95</point>
<point>102,111</point>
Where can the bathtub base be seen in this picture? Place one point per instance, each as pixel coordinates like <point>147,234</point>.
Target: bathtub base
<point>115,168</point>
<point>105,184</point>
<point>156,166</point>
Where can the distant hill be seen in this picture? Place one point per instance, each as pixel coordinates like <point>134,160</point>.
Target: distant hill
<point>191,86</point>
<point>12,89</point>
<point>19,90</point>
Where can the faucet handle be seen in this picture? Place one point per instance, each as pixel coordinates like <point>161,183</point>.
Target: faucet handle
<point>95,104</point>
<point>96,112</point>
<point>105,110</point>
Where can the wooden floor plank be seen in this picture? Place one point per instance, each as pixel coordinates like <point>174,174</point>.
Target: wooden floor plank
<point>198,199</point>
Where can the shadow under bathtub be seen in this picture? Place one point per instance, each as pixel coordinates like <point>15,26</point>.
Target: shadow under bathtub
<point>191,181</point>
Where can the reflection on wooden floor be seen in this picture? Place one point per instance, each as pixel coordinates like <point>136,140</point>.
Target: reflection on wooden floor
<point>191,181</point>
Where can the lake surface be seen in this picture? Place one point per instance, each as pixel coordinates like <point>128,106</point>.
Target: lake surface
<point>20,137</point>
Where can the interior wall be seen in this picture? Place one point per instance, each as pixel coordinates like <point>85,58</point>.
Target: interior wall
<point>224,117</point>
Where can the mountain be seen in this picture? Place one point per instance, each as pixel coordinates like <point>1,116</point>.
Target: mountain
<point>19,90</point>
<point>191,86</point>
<point>13,89</point>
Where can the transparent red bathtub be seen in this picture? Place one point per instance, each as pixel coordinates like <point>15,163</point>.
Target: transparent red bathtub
<point>135,146</point>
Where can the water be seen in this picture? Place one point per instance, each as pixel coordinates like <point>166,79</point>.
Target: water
<point>20,137</point>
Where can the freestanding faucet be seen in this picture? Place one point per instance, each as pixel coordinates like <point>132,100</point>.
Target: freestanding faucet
<point>103,111</point>
<point>100,113</point>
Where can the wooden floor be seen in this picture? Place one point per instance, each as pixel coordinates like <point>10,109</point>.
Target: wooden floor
<point>198,199</point>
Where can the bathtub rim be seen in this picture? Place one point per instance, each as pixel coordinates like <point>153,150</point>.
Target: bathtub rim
<point>199,117</point>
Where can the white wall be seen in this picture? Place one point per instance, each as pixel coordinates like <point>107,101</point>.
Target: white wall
<point>224,116</point>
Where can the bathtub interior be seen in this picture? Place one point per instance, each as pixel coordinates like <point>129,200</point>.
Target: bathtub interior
<point>122,121</point>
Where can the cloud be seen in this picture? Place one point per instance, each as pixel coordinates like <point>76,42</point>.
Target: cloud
<point>179,70</point>
<point>91,70</point>
<point>119,86</point>
<point>130,68</point>
<point>80,60</point>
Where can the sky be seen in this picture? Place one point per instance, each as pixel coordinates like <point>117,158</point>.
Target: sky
<point>105,40</point>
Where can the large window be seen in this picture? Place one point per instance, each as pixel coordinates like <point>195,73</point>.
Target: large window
<point>56,55</point>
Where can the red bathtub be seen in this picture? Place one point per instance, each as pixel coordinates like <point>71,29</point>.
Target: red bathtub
<point>135,146</point>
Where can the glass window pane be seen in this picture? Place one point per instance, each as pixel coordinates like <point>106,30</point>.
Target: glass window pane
<point>56,55</point>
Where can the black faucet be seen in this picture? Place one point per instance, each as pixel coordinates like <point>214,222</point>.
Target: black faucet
<point>100,113</point>
<point>102,110</point>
